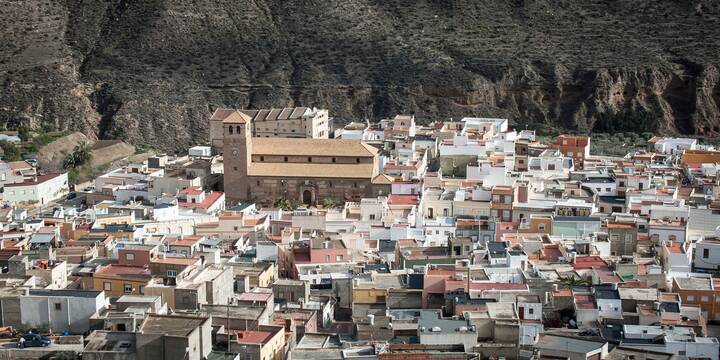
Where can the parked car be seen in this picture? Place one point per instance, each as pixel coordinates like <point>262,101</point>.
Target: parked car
<point>34,340</point>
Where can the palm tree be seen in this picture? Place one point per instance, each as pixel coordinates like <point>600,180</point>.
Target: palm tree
<point>328,203</point>
<point>80,156</point>
<point>82,153</point>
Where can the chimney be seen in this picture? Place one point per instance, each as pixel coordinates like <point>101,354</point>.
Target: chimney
<point>522,193</point>
<point>288,325</point>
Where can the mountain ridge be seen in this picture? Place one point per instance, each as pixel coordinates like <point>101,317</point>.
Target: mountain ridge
<point>151,72</point>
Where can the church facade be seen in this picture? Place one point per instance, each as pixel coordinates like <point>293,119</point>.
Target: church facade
<point>303,169</point>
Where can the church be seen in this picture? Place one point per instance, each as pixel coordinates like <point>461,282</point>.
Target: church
<point>263,169</point>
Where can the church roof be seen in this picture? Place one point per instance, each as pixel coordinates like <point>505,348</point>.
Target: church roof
<point>311,147</point>
<point>236,118</point>
<point>383,179</point>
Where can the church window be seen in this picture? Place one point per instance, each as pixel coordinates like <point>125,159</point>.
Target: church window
<point>238,129</point>
<point>230,129</point>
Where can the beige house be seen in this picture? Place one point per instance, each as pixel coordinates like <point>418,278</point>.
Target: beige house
<point>299,122</point>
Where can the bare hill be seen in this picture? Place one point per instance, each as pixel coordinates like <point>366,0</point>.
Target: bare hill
<point>152,71</point>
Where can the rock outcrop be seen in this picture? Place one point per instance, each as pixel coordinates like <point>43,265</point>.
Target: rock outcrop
<point>152,71</point>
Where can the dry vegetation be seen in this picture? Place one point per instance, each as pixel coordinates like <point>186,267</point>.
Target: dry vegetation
<point>151,71</point>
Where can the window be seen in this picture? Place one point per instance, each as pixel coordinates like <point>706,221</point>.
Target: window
<point>127,288</point>
<point>338,257</point>
<point>531,311</point>
<point>541,227</point>
<point>235,168</point>
<point>285,159</point>
<point>672,238</point>
<point>58,306</point>
<point>309,159</point>
<point>607,189</point>
<point>706,253</point>
<point>372,216</point>
<point>690,298</point>
<point>357,160</point>
<point>327,258</point>
<point>333,160</point>
<point>704,299</point>
<point>171,273</point>
<point>262,158</point>
<point>107,286</point>
<point>235,228</point>
<point>130,257</point>
<point>230,129</point>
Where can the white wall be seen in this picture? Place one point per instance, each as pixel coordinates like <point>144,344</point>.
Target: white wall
<point>73,315</point>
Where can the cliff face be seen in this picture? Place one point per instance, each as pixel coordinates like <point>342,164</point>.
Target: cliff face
<point>152,71</point>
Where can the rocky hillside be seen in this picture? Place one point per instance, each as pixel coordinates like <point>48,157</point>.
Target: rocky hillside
<point>152,71</point>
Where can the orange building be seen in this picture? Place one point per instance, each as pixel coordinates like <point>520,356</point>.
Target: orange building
<point>699,291</point>
<point>576,147</point>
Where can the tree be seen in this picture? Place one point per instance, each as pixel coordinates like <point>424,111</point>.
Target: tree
<point>329,203</point>
<point>10,151</point>
<point>24,133</point>
<point>283,203</point>
<point>80,156</point>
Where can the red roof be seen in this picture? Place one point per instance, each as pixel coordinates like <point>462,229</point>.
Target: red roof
<point>193,190</point>
<point>39,180</point>
<point>122,271</point>
<point>397,199</point>
<point>675,248</point>
<point>585,301</point>
<point>209,200</point>
<point>175,261</point>
<point>255,296</point>
<point>589,262</point>
<point>252,336</point>
<point>482,286</point>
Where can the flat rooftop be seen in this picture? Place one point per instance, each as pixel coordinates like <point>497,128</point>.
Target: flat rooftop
<point>173,325</point>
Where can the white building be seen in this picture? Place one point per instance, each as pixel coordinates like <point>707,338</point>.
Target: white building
<point>679,340</point>
<point>200,151</point>
<point>677,257</point>
<point>707,253</point>
<point>609,303</point>
<point>675,146</point>
<point>63,310</point>
<point>485,125</point>
<point>42,189</point>
<point>488,172</point>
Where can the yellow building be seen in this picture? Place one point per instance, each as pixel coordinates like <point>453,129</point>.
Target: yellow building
<point>118,280</point>
<point>264,343</point>
<point>260,274</point>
